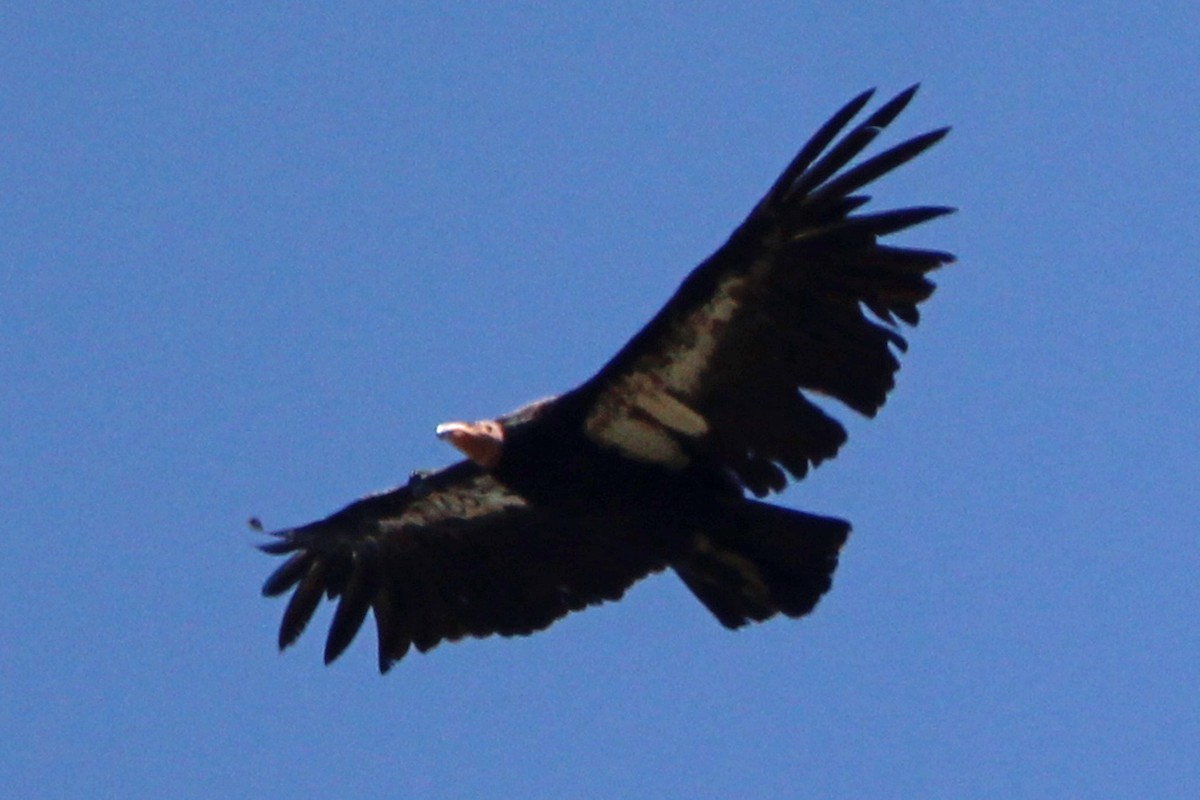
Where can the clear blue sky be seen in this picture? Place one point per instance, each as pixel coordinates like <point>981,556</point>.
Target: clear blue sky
<point>250,258</point>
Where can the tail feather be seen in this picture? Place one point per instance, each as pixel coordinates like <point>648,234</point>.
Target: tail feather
<point>757,560</point>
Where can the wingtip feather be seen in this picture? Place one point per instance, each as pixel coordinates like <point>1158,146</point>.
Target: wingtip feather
<point>287,575</point>
<point>302,605</point>
<point>892,108</point>
<point>816,145</point>
<point>350,613</point>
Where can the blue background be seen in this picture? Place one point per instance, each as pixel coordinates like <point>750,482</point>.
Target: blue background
<point>252,254</point>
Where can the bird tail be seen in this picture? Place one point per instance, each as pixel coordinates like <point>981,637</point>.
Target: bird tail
<point>757,560</point>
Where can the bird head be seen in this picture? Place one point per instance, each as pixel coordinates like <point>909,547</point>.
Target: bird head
<point>482,442</point>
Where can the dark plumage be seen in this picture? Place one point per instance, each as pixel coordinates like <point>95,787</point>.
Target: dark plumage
<point>567,502</point>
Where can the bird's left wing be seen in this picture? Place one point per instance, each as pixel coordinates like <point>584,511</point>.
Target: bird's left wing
<point>803,297</point>
<point>451,554</point>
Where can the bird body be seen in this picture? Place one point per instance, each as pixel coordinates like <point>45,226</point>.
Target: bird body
<point>566,502</point>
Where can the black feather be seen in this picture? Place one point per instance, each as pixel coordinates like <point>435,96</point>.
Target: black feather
<point>288,574</point>
<point>874,168</point>
<point>851,145</point>
<point>352,610</point>
<point>815,146</point>
<point>302,605</point>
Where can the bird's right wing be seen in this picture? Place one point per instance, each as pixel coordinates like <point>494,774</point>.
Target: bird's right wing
<point>805,298</point>
<point>452,553</point>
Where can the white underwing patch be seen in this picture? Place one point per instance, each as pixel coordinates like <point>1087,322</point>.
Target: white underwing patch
<point>641,440</point>
<point>643,411</point>
<point>478,497</point>
<point>681,360</point>
<point>671,413</point>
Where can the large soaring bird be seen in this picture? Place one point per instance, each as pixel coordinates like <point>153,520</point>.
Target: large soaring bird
<point>568,501</point>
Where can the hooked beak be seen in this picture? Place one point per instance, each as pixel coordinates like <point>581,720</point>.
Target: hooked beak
<point>481,442</point>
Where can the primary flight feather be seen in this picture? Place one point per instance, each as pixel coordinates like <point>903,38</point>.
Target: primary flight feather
<point>566,502</point>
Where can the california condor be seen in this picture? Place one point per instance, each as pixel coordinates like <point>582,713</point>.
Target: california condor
<point>566,502</point>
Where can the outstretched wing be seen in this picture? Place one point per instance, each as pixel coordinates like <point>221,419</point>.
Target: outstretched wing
<point>802,297</point>
<point>451,554</point>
